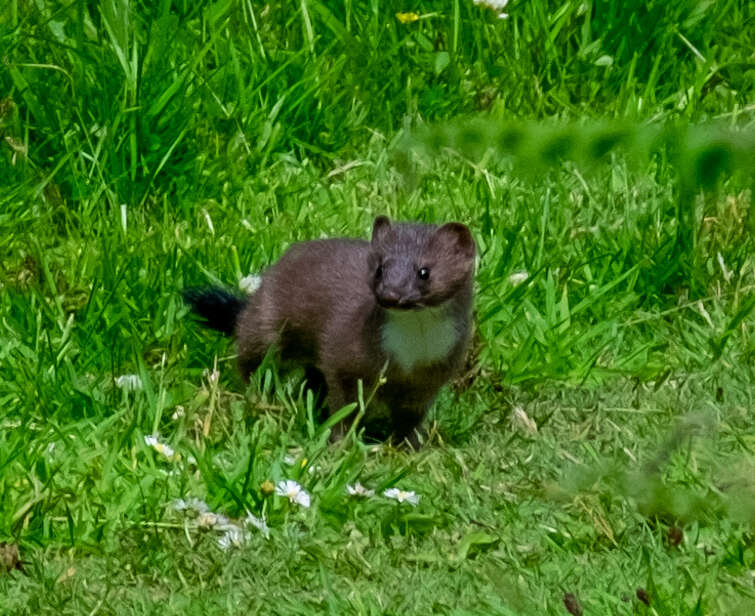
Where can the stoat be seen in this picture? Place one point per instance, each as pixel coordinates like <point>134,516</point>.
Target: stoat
<point>345,309</point>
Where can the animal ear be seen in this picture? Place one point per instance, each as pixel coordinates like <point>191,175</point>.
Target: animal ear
<point>454,238</point>
<point>380,228</point>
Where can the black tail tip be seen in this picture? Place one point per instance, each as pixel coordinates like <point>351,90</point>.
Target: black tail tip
<point>217,308</point>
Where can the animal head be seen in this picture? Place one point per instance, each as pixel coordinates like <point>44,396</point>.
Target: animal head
<point>414,266</point>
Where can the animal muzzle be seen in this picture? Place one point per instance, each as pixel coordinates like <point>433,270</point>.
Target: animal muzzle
<point>393,299</point>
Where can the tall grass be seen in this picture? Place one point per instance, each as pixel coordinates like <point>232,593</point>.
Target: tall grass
<point>121,99</point>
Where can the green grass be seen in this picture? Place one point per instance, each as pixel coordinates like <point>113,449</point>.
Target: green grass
<point>602,442</point>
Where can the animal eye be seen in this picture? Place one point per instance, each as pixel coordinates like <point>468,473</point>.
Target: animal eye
<point>379,271</point>
<point>423,273</point>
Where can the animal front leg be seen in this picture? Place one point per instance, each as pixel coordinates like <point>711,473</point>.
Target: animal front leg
<point>407,420</point>
<point>340,393</point>
<point>315,382</point>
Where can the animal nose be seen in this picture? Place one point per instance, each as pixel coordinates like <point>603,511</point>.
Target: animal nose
<point>391,298</point>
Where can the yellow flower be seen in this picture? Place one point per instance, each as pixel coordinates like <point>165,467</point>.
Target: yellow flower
<point>267,488</point>
<point>407,18</point>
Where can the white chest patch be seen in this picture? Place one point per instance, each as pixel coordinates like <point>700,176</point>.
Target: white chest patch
<point>418,337</point>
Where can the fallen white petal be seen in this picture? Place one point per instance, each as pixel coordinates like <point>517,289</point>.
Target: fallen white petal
<point>517,278</point>
<point>524,421</point>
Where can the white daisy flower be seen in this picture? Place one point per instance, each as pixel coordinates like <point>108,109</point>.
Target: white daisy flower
<point>213,520</point>
<point>249,284</point>
<point>517,278</point>
<point>129,382</point>
<point>179,505</point>
<point>496,5</point>
<point>233,537</point>
<point>359,490</point>
<point>403,496</point>
<point>293,491</point>
<point>258,523</point>
<point>161,448</point>
<point>190,504</point>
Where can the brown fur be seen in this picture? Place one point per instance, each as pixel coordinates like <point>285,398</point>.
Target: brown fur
<point>323,306</point>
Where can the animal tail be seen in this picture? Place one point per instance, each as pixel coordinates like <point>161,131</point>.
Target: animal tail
<point>218,309</point>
